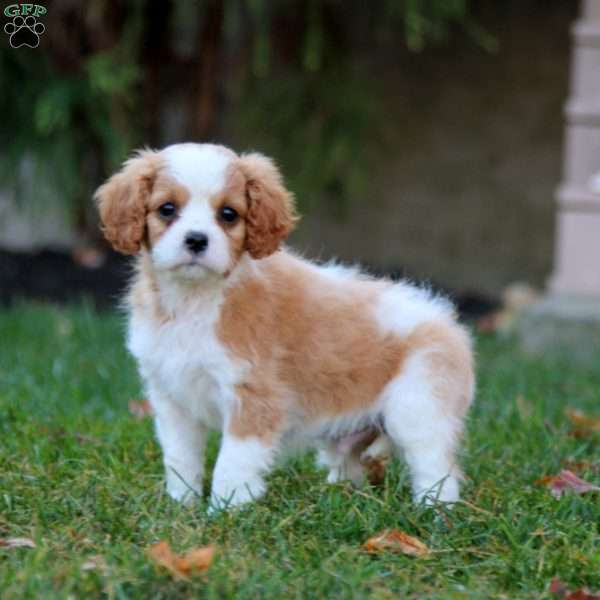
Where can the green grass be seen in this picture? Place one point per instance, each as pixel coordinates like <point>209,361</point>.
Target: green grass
<point>82,477</point>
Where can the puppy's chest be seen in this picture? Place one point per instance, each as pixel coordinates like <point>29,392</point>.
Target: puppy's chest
<point>186,363</point>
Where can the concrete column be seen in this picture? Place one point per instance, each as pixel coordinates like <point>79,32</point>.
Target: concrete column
<point>569,315</point>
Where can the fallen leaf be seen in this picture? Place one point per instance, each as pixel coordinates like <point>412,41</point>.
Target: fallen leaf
<point>582,421</point>
<point>17,542</point>
<point>374,453</point>
<point>140,408</point>
<point>567,480</point>
<point>182,565</point>
<point>558,588</point>
<point>580,433</point>
<point>375,468</point>
<point>393,540</point>
<point>582,465</point>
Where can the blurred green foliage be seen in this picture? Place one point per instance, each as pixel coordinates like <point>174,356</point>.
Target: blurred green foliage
<point>67,126</point>
<point>74,107</point>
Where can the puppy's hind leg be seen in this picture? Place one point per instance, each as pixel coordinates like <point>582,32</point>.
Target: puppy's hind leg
<point>426,429</point>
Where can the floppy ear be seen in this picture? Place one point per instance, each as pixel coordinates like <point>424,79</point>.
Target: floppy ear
<point>270,217</point>
<point>122,201</point>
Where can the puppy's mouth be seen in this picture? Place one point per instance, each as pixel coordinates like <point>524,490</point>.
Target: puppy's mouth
<point>194,267</point>
<point>187,267</point>
<point>192,264</point>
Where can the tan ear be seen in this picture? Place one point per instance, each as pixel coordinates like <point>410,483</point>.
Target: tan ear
<point>122,201</point>
<point>271,216</point>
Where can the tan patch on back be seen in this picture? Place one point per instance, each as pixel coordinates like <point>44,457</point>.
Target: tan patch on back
<point>271,212</point>
<point>310,342</point>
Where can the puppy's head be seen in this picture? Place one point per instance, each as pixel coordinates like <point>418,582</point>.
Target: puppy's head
<point>196,208</point>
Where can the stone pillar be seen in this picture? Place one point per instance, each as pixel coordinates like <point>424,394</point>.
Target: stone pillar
<point>569,316</point>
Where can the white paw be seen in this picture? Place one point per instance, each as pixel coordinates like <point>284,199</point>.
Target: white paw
<point>446,491</point>
<point>334,475</point>
<point>184,496</point>
<point>181,491</point>
<point>226,495</point>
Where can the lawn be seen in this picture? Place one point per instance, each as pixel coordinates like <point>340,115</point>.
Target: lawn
<point>83,478</point>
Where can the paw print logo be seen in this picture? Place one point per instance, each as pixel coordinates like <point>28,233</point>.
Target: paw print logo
<point>24,31</point>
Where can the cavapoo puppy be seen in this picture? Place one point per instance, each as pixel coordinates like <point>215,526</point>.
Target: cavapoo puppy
<point>233,332</point>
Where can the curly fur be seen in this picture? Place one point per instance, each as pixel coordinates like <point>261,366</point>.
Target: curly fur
<point>122,201</point>
<point>271,216</point>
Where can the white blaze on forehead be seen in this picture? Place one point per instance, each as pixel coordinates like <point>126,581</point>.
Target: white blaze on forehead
<point>201,168</point>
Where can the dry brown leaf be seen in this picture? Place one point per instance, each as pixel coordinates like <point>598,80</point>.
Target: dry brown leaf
<point>559,589</point>
<point>140,408</point>
<point>567,480</point>
<point>375,468</point>
<point>580,434</point>
<point>582,465</point>
<point>17,542</point>
<point>182,565</point>
<point>393,540</point>
<point>582,421</point>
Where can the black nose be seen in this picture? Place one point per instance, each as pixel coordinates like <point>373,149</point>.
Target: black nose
<point>196,241</point>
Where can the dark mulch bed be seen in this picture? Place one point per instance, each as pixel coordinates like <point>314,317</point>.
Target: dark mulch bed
<point>54,276</point>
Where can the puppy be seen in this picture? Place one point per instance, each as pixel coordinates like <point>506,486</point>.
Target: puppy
<point>232,332</point>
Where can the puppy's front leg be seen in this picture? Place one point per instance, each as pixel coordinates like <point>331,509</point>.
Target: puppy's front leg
<point>182,439</point>
<point>239,472</point>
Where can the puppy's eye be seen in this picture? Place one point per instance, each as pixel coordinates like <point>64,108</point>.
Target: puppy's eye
<point>228,214</point>
<point>167,210</point>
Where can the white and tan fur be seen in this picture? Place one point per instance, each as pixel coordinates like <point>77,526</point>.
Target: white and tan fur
<point>270,349</point>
